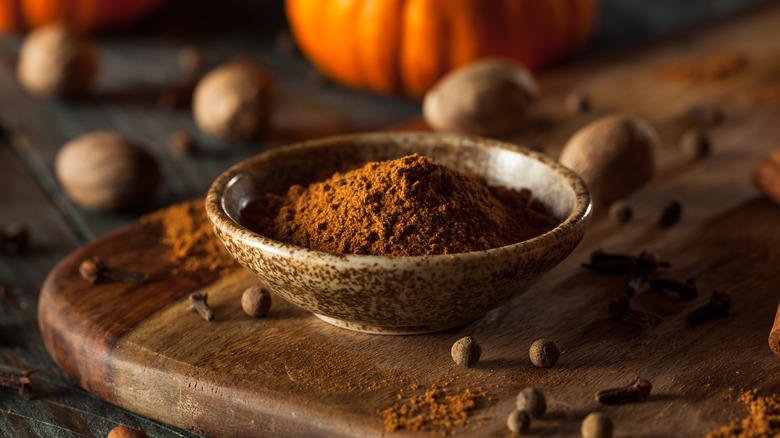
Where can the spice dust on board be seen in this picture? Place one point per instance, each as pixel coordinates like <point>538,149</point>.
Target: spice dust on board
<point>440,409</point>
<point>188,234</point>
<point>762,421</point>
<point>716,67</point>
<point>410,206</point>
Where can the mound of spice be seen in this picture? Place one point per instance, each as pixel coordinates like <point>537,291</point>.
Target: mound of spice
<point>188,233</point>
<point>405,207</point>
<point>763,419</point>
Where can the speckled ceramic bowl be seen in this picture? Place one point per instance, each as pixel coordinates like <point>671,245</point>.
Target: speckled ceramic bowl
<point>399,295</point>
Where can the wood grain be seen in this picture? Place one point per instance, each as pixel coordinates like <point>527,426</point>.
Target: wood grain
<point>136,67</point>
<point>291,374</point>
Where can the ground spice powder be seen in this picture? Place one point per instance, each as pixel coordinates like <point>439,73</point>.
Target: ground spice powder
<point>715,67</point>
<point>763,420</point>
<point>405,207</point>
<point>188,233</point>
<point>438,410</point>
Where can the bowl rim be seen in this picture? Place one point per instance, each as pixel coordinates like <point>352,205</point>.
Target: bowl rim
<point>579,216</point>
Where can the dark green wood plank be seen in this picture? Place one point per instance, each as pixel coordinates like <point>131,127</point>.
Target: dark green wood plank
<point>62,408</point>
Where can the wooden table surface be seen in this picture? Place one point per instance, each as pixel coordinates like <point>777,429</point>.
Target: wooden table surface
<point>136,67</point>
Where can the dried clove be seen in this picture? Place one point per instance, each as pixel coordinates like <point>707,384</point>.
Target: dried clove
<point>637,278</point>
<point>637,391</point>
<point>19,382</point>
<point>682,290</point>
<point>609,263</point>
<point>199,304</point>
<point>709,115</point>
<point>610,267</point>
<point>620,309</point>
<point>718,307</point>
<point>95,271</point>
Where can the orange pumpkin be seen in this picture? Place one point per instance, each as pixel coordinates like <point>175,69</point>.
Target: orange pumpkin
<point>85,15</point>
<point>405,46</point>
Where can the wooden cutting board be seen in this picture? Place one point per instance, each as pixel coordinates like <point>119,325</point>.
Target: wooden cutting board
<point>291,374</point>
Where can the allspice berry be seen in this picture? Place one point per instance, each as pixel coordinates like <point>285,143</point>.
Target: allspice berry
<point>233,102</point>
<point>671,214</point>
<point>15,239</point>
<point>596,425</point>
<point>191,60</point>
<point>104,171</point>
<point>127,432</point>
<point>544,353</point>
<point>466,352</point>
<point>621,212</point>
<point>256,301</point>
<point>56,61</point>
<point>695,144</point>
<point>518,421</point>
<point>181,143</point>
<point>533,401</point>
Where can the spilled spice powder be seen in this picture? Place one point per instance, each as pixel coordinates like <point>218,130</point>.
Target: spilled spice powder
<point>715,67</point>
<point>405,207</point>
<point>438,410</point>
<point>188,233</point>
<point>763,420</point>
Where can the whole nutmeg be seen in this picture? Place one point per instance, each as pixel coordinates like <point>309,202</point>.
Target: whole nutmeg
<point>104,171</point>
<point>614,155</point>
<point>56,61</point>
<point>234,101</point>
<point>466,351</point>
<point>489,97</point>
<point>127,432</point>
<point>256,301</point>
